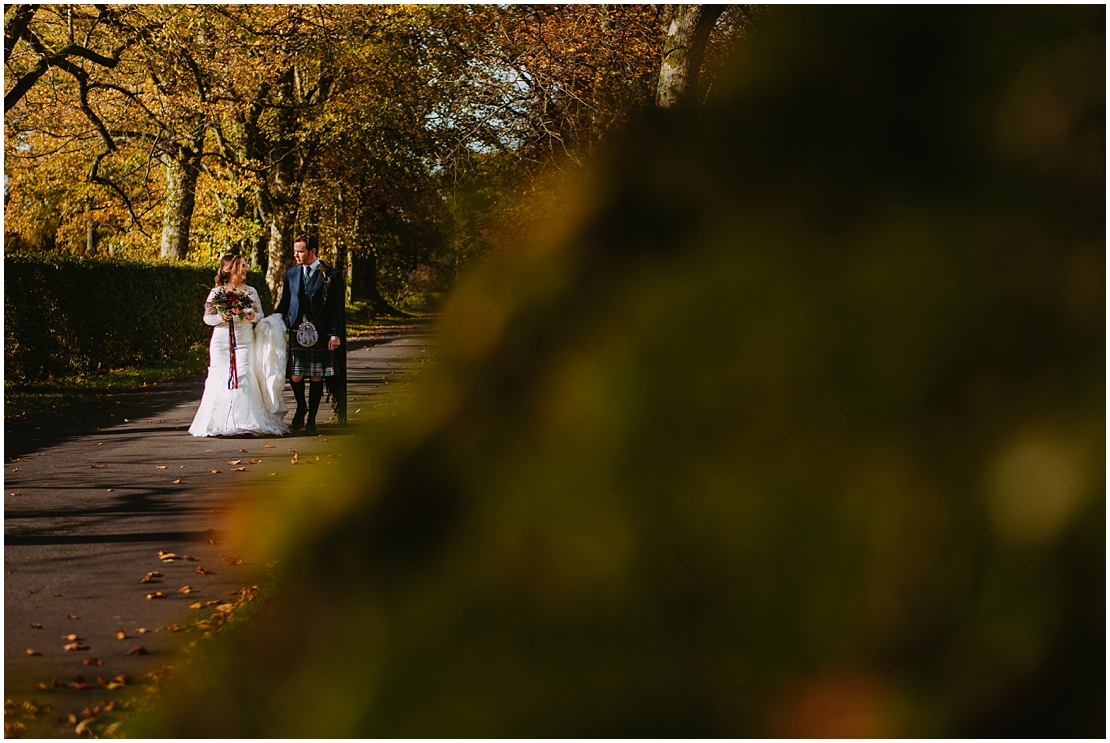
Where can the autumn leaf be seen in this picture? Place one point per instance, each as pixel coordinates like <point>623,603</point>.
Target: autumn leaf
<point>138,650</point>
<point>150,578</point>
<point>82,685</point>
<point>234,461</point>
<point>93,662</point>
<point>73,616</point>
<point>197,605</point>
<point>176,482</point>
<point>167,555</point>
<point>36,625</point>
<point>269,446</point>
<point>240,469</point>
<point>159,466</point>
<point>72,719</point>
<point>211,541</point>
<point>189,557</point>
<point>123,678</point>
<point>202,571</point>
<point>75,646</point>
<point>142,630</point>
<point>185,589</point>
<point>242,451</point>
<point>255,461</point>
<point>232,560</point>
<point>31,651</point>
<point>155,595</point>
<point>214,472</point>
<point>69,638</point>
<point>120,634</point>
<point>172,628</point>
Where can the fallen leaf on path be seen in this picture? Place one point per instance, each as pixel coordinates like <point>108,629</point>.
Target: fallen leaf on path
<point>234,461</point>
<point>160,420</point>
<point>209,603</point>
<point>109,490</point>
<point>150,578</point>
<point>232,560</point>
<point>69,638</point>
<point>214,472</point>
<point>225,608</point>
<point>159,466</point>
<point>19,459</point>
<point>255,461</point>
<point>75,646</point>
<point>16,493</point>
<point>33,652</point>
<point>197,605</point>
<point>292,451</point>
<point>163,555</point>
<point>211,541</point>
<point>272,474</point>
<point>189,557</point>
<point>73,616</point>
<point>36,625</point>
<point>269,446</point>
<point>155,595</point>
<point>55,595</point>
<point>142,630</point>
<point>242,451</point>
<point>138,650</point>
<point>177,482</point>
<point>120,634</point>
<point>99,443</point>
<point>72,719</point>
<point>185,589</point>
<point>123,678</point>
<point>202,571</point>
<point>172,628</point>
<point>240,469</point>
<point>93,662</point>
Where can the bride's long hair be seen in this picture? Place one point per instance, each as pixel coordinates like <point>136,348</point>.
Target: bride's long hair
<point>229,263</point>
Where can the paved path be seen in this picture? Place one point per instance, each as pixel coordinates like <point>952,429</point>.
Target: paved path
<point>90,499</point>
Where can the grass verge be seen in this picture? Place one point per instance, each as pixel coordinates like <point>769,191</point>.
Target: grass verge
<point>29,398</point>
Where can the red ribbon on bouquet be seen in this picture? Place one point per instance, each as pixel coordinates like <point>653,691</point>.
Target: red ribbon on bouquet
<point>233,372</point>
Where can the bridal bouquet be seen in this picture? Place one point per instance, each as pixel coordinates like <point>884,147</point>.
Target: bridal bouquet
<point>231,303</point>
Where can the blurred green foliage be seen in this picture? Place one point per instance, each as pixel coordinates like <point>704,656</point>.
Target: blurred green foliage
<point>797,430</point>
<point>66,315</point>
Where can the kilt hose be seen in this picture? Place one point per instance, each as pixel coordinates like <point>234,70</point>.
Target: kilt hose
<point>313,361</point>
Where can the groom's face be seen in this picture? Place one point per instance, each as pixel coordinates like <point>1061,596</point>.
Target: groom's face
<point>302,255</point>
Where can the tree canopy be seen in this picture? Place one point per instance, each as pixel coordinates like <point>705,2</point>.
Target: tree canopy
<point>414,139</point>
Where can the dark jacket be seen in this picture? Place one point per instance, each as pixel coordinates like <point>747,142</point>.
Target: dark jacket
<point>325,296</point>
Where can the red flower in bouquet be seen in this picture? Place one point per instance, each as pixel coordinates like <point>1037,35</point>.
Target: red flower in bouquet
<point>231,303</point>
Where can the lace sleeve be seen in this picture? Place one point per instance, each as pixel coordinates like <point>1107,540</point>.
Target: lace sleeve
<point>211,315</point>
<point>256,301</point>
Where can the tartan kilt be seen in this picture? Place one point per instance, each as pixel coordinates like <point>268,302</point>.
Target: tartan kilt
<point>314,361</point>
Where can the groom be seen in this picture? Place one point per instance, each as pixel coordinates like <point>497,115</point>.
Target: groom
<point>312,305</point>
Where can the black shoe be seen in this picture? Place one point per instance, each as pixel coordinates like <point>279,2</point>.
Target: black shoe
<point>310,429</point>
<point>298,419</point>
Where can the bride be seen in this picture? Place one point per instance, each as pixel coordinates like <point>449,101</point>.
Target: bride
<point>243,394</point>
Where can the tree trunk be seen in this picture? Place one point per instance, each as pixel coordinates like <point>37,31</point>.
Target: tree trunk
<point>364,283</point>
<point>683,52</point>
<point>90,239</point>
<point>182,170</point>
<point>279,248</point>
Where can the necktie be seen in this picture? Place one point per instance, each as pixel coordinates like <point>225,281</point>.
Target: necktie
<point>306,272</point>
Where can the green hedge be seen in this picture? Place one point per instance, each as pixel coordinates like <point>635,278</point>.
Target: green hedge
<point>66,315</point>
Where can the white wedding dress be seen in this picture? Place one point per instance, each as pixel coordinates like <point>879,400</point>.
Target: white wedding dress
<point>256,407</point>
